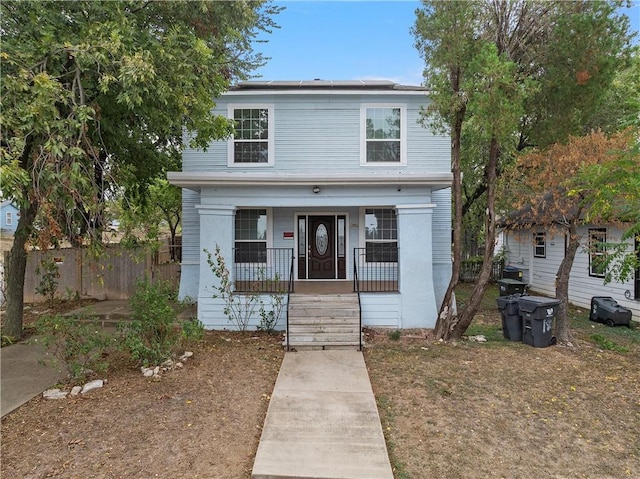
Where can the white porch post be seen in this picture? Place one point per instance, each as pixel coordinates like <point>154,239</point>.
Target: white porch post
<point>415,242</point>
<point>216,228</point>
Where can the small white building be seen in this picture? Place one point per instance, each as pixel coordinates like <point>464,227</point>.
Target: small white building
<point>539,252</point>
<point>323,182</point>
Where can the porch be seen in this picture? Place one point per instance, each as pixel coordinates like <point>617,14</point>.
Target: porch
<point>271,271</point>
<point>304,251</point>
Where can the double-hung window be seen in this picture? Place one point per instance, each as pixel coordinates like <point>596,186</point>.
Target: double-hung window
<point>381,235</point>
<point>252,143</point>
<point>251,236</point>
<point>597,250</point>
<point>383,134</point>
<point>9,218</point>
<point>540,245</point>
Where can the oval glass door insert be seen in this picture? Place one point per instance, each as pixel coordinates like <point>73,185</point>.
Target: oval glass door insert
<point>322,239</point>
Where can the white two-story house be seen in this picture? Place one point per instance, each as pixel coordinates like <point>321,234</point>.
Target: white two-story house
<point>326,186</point>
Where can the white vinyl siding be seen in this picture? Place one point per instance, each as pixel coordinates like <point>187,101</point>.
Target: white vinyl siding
<point>324,135</point>
<point>541,273</point>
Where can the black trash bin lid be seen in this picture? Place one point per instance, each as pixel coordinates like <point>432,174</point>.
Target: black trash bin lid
<point>531,303</point>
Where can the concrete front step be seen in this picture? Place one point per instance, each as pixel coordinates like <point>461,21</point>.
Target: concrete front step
<point>325,321</point>
<point>321,297</point>
<point>324,328</point>
<point>327,313</point>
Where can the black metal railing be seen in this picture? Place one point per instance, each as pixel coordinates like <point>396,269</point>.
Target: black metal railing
<point>470,269</point>
<point>377,272</point>
<point>289,296</point>
<point>269,270</point>
<point>356,288</point>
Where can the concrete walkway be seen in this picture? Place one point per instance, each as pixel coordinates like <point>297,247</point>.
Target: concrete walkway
<point>322,421</point>
<point>23,376</point>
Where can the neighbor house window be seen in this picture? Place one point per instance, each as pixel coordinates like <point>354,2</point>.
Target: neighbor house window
<point>252,143</point>
<point>383,134</point>
<point>9,218</point>
<point>597,239</point>
<point>381,235</point>
<point>540,245</point>
<point>251,236</point>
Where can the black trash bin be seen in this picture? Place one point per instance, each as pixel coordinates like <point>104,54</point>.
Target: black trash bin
<point>511,320</point>
<point>538,314</point>
<point>511,272</point>
<point>511,286</point>
<point>605,309</point>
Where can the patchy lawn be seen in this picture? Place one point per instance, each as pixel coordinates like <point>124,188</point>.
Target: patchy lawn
<point>202,421</point>
<point>506,409</point>
<point>470,410</point>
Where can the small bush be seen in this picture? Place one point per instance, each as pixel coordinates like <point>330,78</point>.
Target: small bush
<point>395,335</point>
<point>608,344</point>
<point>49,274</point>
<point>192,331</point>
<point>80,346</point>
<point>152,335</point>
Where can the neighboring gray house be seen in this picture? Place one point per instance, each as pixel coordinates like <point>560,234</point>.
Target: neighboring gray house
<point>9,215</point>
<point>324,181</point>
<point>538,253</point>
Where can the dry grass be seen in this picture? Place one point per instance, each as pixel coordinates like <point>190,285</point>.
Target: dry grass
<point>471,410</point>
<point>505,409</point>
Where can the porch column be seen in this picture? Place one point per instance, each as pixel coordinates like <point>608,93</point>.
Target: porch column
<point>415,242</point>
<point>216,228</point>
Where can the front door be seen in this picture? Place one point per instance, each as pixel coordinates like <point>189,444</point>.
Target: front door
<point>322,264</point>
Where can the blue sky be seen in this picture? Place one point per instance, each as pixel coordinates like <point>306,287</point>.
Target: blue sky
<point>350,40</point>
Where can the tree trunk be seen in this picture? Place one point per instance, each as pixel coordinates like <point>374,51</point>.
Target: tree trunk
<point>173,227</point>
<point>15,273</point>
<point>562,284</point>
<point>472,306</point>
<point>446,319</point>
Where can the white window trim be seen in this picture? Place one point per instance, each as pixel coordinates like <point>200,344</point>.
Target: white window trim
<point>362,237</point>
<point>403,134</point>
<point>535,244</point>
<point>268,239</point>
<point>270,131</point>
<point>8,219</point>
<point>590,232</point>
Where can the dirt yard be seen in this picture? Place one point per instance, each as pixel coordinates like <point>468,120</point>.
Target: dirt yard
<point>471,410</point>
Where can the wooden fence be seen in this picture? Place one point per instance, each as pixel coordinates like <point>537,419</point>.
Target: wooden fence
<point>113,276</point>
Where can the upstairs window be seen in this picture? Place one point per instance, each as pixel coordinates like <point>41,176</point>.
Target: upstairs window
<point>251,236</point>
<point>9,218</point>
<point>540,245</point>
<point>597,250</point>
<point>252,143</point>
<point>381,235</point>
<point>383,137</point>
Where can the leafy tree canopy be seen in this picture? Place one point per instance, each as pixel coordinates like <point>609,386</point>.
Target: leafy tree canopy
<point>91,87</point>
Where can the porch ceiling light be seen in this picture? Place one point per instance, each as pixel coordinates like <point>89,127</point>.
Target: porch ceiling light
<point>316,189</point>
